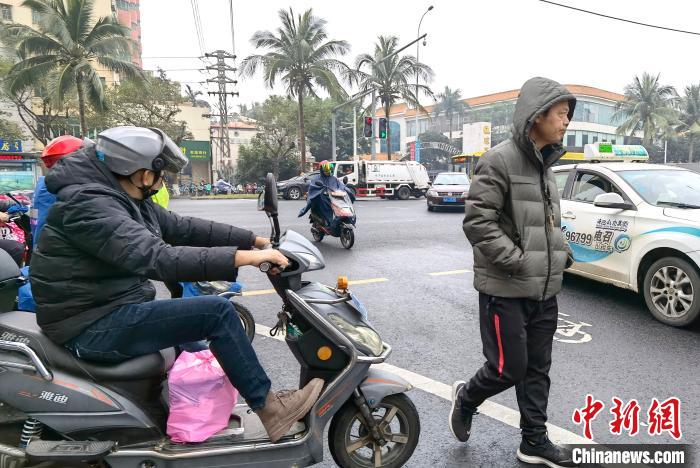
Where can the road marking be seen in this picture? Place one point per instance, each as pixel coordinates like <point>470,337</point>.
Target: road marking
<point>453,272</point>
<point>488,408</point>
<point>263,292</point>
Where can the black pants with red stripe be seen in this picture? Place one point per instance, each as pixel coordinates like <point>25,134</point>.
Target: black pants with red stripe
<point>517,337</point>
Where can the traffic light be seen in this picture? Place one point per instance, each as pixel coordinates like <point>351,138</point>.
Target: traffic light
<point>382,127</point>
<point>368,127</point>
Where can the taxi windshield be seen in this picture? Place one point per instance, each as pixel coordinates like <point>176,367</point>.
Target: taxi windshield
<point>665,187</point>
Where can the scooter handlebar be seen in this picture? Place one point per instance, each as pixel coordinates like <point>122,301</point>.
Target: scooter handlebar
<point>265,267</point>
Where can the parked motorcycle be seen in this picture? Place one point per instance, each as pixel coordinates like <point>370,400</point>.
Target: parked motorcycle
<point>114,415</point>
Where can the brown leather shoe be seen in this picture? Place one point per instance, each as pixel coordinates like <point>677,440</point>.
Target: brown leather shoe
<point>283,409</point>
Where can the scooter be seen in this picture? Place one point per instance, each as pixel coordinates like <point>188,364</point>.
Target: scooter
<point>341,225</point>
<point>114,415</point>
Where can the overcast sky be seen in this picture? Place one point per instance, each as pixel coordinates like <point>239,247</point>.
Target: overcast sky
<point>479,47</point>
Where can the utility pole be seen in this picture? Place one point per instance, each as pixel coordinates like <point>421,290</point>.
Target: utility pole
<point>354,132</point>
<point>222,80</point>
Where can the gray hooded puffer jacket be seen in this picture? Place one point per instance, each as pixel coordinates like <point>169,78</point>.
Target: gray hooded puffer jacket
<point>518,251</point>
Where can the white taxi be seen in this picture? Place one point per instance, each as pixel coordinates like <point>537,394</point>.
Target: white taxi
<point>636,226</point>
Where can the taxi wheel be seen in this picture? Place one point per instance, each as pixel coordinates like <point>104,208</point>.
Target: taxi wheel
<point>672,291</point>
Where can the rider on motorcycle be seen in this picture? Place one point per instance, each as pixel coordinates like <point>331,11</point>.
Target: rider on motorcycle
<point>324,182</point>
<point>103,241</point>
<point>43,199</point>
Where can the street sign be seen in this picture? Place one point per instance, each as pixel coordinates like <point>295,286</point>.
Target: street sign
<point>7,146</point>
<point>196,150</point>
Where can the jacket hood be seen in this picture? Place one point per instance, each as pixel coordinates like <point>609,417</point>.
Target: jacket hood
<point>536,96</point>
<point>79,169</point>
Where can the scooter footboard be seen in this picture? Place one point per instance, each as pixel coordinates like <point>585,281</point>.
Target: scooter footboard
<point>379,384</point>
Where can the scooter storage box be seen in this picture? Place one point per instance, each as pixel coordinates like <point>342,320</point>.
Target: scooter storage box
<point>9,282</point>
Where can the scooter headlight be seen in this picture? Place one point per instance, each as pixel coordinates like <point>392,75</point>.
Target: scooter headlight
<point>314,263</point>
<point>359,334</point>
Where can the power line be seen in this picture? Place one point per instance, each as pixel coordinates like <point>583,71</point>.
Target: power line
<point>173,57</point>
<point>198,25</point>
<point>620,19</point>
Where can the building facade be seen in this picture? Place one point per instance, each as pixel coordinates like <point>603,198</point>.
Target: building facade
<point>129,16</point>
<point>240,133</point>
<point>592,121</point>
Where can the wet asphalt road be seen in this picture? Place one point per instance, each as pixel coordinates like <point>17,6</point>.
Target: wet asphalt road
<point>608,344</point>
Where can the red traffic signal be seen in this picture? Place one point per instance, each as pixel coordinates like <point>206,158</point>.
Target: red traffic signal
<point>368,127</point>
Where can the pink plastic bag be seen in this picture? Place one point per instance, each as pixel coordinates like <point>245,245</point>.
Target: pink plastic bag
<point>201,397</point>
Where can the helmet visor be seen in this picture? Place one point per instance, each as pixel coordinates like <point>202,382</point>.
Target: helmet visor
<point>175,161</point>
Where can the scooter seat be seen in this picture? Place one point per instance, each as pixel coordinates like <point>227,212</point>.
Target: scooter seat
<point>22,327</point>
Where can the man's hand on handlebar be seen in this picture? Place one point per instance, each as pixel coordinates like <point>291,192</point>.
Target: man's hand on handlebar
<point>258,257</point>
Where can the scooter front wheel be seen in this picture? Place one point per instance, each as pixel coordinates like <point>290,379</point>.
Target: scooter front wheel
<point>347,238</point>
<point>352,445</point>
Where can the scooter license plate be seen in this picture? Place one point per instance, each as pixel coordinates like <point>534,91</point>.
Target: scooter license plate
<point>449,199</point>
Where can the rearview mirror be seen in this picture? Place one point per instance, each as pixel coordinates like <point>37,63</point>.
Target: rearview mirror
<point>612,200</point>
<point>267,200</point>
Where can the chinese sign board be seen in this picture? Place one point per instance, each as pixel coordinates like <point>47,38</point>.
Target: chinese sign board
<point>476,138</point>
<point>196,150</point>
<point>10,146</point>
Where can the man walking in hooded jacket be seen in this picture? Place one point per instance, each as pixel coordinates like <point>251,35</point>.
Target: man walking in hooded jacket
<point>513,223</point>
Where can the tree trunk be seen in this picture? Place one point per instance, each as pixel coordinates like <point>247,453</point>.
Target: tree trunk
<point>388,132</point>
<point>690,149</point>
<point>302,131</point>
<point>81,105</point>
<point>276,166</point>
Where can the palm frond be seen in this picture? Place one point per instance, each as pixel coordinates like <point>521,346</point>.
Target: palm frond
<point>123,67</point>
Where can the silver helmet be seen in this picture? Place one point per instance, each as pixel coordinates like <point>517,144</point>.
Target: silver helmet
<point>126,150</point>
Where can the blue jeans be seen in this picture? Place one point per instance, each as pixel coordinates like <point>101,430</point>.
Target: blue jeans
<point>137,329</point>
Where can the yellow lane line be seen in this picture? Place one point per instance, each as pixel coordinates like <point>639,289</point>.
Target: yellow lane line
<point>263,292</point>
<point>453,272</point>
<point>367,281</point>
<point>259,292</point>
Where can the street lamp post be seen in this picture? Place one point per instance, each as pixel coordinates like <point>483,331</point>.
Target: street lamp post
<point>415,144</point>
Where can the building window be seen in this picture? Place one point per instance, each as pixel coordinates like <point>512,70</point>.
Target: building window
<point>5,12</point>
<point>571,140</point>
<point>584,139</point>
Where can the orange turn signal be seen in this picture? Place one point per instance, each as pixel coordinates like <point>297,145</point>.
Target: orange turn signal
<point>342,282</point>
<point>324,353</point>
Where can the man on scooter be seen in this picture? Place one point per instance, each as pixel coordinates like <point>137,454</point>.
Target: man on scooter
<point>103,241</point>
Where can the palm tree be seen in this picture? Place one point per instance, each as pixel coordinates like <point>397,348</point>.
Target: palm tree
<point>450,104</point>
<point>302,58</point>
<point>391,78</point>
<point>690,116</point>
<point>65,46</point>
<point>648,107</point>
<point>191,95</point>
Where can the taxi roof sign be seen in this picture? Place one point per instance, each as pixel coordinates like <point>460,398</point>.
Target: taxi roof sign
<point>602,151</point>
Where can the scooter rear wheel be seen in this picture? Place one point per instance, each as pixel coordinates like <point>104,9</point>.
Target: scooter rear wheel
<point>347,238</point>
<point>246,319</point>
<point>352,446</point>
